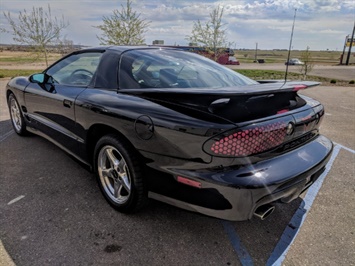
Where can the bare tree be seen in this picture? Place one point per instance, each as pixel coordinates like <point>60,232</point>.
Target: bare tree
<point>308,64</point>
<point>123,27</point>
<point>37,28</point>
<point>210,34</point>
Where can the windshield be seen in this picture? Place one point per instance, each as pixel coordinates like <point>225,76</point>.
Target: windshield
<point>167,68</point>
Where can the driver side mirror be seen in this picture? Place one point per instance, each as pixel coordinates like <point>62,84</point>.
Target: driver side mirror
<point>41,78</point>
<point>44,81</point>
<point>37,78</point>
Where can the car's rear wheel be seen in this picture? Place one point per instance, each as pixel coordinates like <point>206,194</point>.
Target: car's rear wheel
<point>18,122</point>
<point>119,174</point>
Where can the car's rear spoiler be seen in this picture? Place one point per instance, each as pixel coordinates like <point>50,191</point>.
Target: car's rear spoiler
<point>234,104</point>
<point>258,89</point>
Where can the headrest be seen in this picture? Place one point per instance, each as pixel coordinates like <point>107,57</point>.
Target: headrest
<point>168,77</point>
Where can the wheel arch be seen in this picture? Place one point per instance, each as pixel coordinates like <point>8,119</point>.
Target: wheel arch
<point>8,92</point>
<point>96,132</point>
<point>19,95</point>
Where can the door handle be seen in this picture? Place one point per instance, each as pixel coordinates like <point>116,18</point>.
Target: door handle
<point>67,103</point>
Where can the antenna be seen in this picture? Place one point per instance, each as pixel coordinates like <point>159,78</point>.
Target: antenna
<point>289,49</point>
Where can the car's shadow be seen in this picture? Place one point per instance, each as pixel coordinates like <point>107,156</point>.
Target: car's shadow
<point>61,218</point>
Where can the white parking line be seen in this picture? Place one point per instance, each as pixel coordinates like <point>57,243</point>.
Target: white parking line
<point>290,233</point>
<point>6,135</point>
<point>15,199</point>
<point>345,148</point>
<point>294,226</point>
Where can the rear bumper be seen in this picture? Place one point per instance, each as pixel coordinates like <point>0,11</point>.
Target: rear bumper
<point>235,194</point>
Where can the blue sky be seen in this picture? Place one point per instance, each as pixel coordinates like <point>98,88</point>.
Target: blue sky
<point>320,24</point>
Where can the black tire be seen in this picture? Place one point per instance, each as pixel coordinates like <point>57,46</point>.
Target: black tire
<point>17,119</point>
<point>119,174</point>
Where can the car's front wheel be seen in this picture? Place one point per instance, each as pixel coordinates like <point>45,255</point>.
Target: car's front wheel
<point>18,122</point>
<point>119,174</point>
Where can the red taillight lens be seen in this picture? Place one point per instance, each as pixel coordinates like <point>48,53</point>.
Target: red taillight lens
<point>249,140</point>
<point>299,87</point>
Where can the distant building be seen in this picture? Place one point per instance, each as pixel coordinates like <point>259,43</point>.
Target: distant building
<point>158,42</point>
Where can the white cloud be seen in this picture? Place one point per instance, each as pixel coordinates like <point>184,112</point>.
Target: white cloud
<point>322,22</point>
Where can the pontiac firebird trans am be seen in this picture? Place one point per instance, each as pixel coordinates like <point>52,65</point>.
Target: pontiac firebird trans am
<point>174,126</point>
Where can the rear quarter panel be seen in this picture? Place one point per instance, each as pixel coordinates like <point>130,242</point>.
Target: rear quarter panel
<point>175,134</point>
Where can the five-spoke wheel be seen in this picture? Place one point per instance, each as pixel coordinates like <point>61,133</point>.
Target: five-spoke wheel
<point>17,119</point>
<point>114,174</point>
<point>119,174</point>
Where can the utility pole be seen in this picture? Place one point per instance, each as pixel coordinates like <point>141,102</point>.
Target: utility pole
<point>351,44</point>
<point>343,54</point>
<point>256,53</point>
<point>289,49</point>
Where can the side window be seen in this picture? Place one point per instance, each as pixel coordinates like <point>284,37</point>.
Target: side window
<point>143,70</point>
<point>165,68</point>
<point>76,70</point>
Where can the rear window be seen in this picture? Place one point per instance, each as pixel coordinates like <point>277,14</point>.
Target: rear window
<point>166,68</point>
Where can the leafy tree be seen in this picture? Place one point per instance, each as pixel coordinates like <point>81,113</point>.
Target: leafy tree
<point>37,28</point>
<point>306,58</point>
<point>123,27</point>
<point>210,34</point>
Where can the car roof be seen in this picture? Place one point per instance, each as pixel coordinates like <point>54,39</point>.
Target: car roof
<point>121,49</point>
<point>126,47</point>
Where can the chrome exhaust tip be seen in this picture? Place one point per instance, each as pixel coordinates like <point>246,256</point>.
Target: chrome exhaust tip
<point>264,211</point>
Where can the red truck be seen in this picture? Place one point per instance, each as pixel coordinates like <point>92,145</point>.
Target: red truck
<point>226,59</point>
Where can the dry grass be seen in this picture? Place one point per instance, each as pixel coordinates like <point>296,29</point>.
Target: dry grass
<point>280,56</point>
<point>19,58</point>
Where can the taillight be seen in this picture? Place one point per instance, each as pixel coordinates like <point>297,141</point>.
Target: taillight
<point>299,87</point>
<point>249,140</point>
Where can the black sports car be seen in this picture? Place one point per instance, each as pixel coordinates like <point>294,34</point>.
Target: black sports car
<point>176,127</point>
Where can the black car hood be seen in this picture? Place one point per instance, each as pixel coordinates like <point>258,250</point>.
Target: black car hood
<point>235,104</point>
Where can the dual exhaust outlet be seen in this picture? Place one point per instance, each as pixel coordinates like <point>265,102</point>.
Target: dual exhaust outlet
<point>264,211</point>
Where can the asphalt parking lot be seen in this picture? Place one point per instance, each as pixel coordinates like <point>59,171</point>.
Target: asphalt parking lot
<point>52,213</point>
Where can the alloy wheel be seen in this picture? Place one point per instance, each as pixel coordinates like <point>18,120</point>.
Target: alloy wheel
<point>15,114</point>
<point>114,174</point>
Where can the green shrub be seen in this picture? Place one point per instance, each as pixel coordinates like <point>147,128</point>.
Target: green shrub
<point>352,82</point>
<point>333,81</point>
<point>2,76</point>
